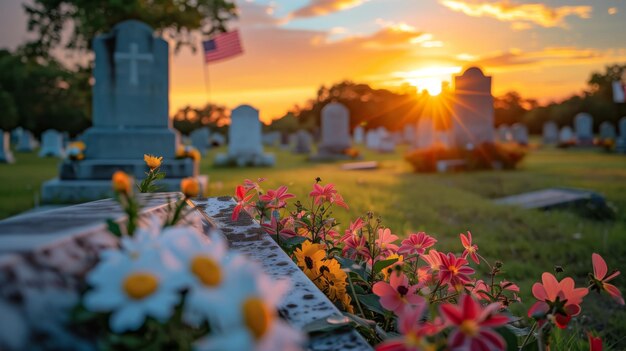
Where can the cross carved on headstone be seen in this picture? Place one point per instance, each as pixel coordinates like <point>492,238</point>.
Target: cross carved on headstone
<point>133,57</point>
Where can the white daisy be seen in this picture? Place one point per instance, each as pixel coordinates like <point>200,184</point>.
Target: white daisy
<point>248,321</point>
<point>133,288</point>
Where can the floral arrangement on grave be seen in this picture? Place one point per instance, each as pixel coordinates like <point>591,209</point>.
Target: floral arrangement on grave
<point>188,151</point>
<point>76,150</point>
<point>406,295</point>
<point>169,286</point>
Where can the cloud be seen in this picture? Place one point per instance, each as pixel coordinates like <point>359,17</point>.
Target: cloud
<point>551,56</point>
<point>324,7</point>
<point>521,15</point>
<point>393,35</point>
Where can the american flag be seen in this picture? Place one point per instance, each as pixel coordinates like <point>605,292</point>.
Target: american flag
<point>222,46</point>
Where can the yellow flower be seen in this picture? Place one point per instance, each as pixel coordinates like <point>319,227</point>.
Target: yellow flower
<point>190,187</point>
<point>395,266</point>
<point>153,162</point>
<point>77,144</point>
<point>180,151</point>
<point>346,301</point>
<point>335,278</point>
<point>122,183</point>
<point>309,258</point>
<point>195,155</point>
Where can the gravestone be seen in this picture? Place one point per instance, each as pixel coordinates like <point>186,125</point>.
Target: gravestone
<point>408,134</point>
<point>550,133</point>
<point>566,135</point>
<point>620,145</point>
<point>303,142</point>
<point>472,110</point>
<point>66,138</point>
<point>6,156</point>
<point>372,139</point>
<point>130,118</point>
<point>27,142</point>
<point>244,140</point>
<point>425,133</point>
<point>16,135</point>
<point>520,133</point>
<point>51,144</point>
<point>335,138</point>
<point>387,142</point>
<point>583,124</point>
<point>200,139</point>
<point>607,131</point>
<point>504,134</point>
<point>271,138</point>
<point>358,135</point>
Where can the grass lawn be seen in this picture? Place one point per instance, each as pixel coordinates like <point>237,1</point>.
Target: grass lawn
<point>528,242</point>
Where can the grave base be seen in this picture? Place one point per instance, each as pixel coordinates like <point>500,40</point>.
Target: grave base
<point>104,169</point>
<point>257,160</point>
<point>57,191</point>
<point>326,157</point>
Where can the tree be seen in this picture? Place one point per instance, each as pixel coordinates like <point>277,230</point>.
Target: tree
<point>87,18</point>
<point>188,118</point>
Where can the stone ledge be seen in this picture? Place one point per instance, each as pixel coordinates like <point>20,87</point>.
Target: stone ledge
<point>304,303</point>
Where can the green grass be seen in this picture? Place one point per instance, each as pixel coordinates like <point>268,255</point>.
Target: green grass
<point>528,242</point>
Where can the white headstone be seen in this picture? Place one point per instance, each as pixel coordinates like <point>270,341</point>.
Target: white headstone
<point>335,129</point>
<point>303,142</point>
<point>200,139</point>
<point>372,140</point>
<point>359,135</point>
<point>520,133</point>
<point>217,139</point>
<point>271,138</point>
<point>566,135</point>
<point>27,142</point>
<point>473,113</point>
<point>244,140</point>
<point>425,133</point>
<point>51,144</point>
<point>6,156</point>
<point>16,134</point>
<point>583,124</point>
<point>550,133</point>
<point>505,135</point>
<point>408,134</point>
<point>607,131</point>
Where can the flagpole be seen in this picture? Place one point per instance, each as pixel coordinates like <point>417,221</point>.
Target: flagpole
<point>207,83</point>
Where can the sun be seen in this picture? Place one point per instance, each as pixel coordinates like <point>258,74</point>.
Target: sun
<point>429,78</point>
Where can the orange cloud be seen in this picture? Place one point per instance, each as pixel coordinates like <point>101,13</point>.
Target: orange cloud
<point>551,56</point>
<point>324,7</point>
<point>520,14</point>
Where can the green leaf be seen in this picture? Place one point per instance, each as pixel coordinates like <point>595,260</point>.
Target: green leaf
<point>295,241</point>
<point>352,266</point>
<point>509,337</point>
<point>114,228</point>
<point>372,303</point>
<point>327,325</point>
<point>380,265</point>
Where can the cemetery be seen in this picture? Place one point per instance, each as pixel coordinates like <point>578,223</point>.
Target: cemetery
<point>140,210</point>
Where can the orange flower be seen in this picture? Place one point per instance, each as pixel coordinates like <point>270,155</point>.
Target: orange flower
<point>153,162</point>
<point>122,183</point>
<point>190,187</point>
<point>195,155</point>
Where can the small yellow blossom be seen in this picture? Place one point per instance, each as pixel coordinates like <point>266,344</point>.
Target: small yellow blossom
<point>190,187</point>
<point>122,183</point>
<point>153,162</point>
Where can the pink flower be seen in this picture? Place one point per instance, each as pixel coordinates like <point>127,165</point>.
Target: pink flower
<point>595,342</point>
<point>469,247</point>
<point>323,194</point>
<point>473,325</point>
<point>424,275</point>
<point>248,185</point>
<point>433,258</point>
<point>507,285</point>
<point>480,291</point>
<point>397,294</point>
<point>338,200</point>
<point>242,201</point>
<point>417,244</point>
<point>356,247</point>
<point>284,227</point>
<point>353,230</point>
<point>276,198</point>
<point>562,298</point>
<point>600,279</point>
<point>454,271</point>
<point>413,331</point>
<point>385,241</point>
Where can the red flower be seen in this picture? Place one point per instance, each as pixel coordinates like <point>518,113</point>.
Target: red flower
<point>413,331</point>
<point>338,200</point>
<point>480,290</point>
<point>454,271</point>
<point>417,244</point>
<point>397,294</point>
<point>284,227</point>
<point>323,194</point>
<point>473,325</point>
<point>433,258</point>
<point>469,247</point>
<point>356,247</point>
<point>353,230</point>
<point>248,185</point>
<point>595,342</point>
<point>385,241</point>
<point>242,201</point>
<point>276,198</point>
<point>600,279</point>
<point>561,299</point>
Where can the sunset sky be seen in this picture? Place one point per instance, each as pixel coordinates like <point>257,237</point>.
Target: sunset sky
<point>543,49</point>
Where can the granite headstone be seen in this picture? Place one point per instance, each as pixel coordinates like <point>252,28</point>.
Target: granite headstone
<point>51,144</point>
<point>472,110</point>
